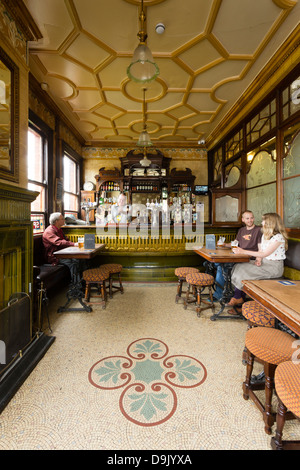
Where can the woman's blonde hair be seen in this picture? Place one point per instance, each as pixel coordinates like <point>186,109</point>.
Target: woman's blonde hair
<point>273,225</point>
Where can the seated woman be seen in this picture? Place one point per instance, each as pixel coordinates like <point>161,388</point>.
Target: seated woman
<point>269,257</point>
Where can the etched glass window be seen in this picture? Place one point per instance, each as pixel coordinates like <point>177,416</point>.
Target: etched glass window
<point>233,173</point>
<point>291,161</point>
<point>262,169</point>
<point>291,202</point>
<point>291,178</point>
<point>227,209</point>
<point>261,200</point>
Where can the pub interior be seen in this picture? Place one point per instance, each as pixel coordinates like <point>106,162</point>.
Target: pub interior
<point>215,131</point>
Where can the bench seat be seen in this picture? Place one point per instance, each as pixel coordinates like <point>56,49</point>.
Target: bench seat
<point>292,261</point>
<point>50,278</point>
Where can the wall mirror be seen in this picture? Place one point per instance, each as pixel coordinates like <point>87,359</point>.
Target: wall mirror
<point>9,118</point>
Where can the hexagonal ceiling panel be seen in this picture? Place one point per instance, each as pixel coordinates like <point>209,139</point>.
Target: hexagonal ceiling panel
<point>207,45</point>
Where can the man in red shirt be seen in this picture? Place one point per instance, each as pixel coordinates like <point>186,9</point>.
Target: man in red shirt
<point>55,240</point>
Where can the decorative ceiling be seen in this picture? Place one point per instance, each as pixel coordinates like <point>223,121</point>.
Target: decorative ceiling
<point>208,55</point>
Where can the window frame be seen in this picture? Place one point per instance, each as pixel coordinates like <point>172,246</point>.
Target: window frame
<point>37,126</point>
<point>277,132</point>
<point>75,158</point>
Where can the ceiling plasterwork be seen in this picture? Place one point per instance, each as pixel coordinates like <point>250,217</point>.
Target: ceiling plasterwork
<point>209,54</point>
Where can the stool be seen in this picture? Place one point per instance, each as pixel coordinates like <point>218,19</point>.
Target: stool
<point>181,274</point>
<point>270,347</point>
<point>96,276</point>
<point>257,315</point>
<point>114,269</point>
<point>198,281</point>
<point>287,385</point>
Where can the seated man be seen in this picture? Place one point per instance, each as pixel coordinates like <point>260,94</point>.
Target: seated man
<point>55,240</point>
<point>248,238</point>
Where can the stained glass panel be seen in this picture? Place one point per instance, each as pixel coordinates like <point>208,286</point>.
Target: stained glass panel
<point>234,145</point>
<point>261,123</point>
<point>217,164</point>
<point>38,222</point>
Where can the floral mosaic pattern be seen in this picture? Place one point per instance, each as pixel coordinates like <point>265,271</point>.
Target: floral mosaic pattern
<point>148,377</point>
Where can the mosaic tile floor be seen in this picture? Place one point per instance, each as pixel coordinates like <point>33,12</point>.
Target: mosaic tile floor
<point>90,391</point>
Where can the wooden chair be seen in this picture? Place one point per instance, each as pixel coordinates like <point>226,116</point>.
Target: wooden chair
<point>198,281</point>
<point>270,347</point>
<point>287,385</point>
<point>181,273</point>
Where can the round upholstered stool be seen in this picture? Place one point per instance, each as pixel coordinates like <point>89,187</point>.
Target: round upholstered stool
<point>114,269</point>
<point>271,347</point>
<point>181,274</point>
<point>98,277</point>
<point>257,315</point>
<point>287,385</point>
<point>198,281</point>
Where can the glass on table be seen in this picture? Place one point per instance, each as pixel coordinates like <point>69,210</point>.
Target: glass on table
<point>234,244</point>
<point>80,242</point>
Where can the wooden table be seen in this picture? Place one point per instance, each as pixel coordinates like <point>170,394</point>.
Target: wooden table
<point>75,290</point>
<point>281,300</point>
<point>227,258</point>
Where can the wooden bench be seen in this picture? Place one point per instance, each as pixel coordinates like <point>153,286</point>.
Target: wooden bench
<point>292,261</point>
<point>46,277</point>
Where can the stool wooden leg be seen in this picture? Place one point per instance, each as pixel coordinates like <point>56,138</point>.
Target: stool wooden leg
<point>103,294</point>
<point>246,384</point>
<point>121,285</point>
<point>211,298</point>
<point>110,286</point>
<point>179,290</point>
<point>268,415</point>
<point>87,292</point>
<point>198,302</point>
<point>187,297</point>
<point>276,441</point>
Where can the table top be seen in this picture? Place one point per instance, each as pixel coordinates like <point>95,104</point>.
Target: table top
<point>280,297</point>
<point>221,255</point>
<point>79,253</point>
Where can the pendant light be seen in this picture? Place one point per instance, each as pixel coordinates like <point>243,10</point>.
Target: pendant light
<point>144,138</point>
<point>142,69</point>
<point>145,162</point>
